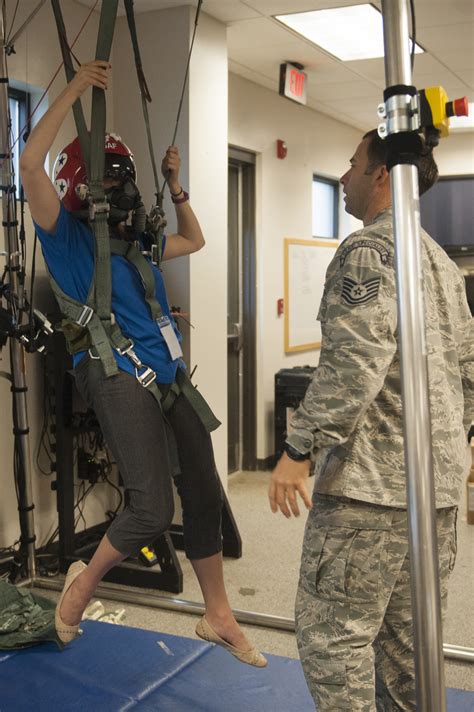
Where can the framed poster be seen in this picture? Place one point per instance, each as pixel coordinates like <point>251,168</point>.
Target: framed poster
<point>305,263</point>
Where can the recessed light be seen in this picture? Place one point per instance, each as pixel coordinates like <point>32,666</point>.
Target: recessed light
<point>349,33</point>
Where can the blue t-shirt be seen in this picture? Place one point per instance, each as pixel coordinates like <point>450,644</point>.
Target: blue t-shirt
<point>69,255</point>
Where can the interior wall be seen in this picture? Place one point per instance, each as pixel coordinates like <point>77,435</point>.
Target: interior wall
<point>208,142</point>
<point>37,57</point>
<point>316,144</point>
<point>455,154</point>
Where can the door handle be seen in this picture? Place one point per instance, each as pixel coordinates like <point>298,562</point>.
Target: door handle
<point>235,339</point>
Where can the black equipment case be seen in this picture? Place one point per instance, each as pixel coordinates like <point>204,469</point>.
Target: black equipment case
<point>290,387</point>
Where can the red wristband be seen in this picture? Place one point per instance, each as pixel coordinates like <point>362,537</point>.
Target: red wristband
<point>184,199</point>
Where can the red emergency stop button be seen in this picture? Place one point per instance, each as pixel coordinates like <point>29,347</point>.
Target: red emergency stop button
<point>461,107</point>
<point>458,107</point>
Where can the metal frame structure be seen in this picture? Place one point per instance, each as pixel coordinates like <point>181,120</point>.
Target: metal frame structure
<point>425,590</point>
<point>17,354</point>
<point>430,686</point>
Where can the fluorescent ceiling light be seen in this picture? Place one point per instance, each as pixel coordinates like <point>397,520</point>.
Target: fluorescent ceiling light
<point>463,123</point>
<point>349,33</point>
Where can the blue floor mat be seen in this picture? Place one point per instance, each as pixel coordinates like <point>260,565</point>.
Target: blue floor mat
<point>115,668</point>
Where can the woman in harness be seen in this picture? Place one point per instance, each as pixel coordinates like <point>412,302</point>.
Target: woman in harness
<point>129,414</point>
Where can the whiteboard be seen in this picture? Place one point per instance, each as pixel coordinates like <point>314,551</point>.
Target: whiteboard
<point>306,262</point>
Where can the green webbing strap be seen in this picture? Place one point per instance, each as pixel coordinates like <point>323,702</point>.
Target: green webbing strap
<point>99,209</point>
<point>144,91</point>
<point>100,294</point>
<point>70,73</point>
<point>104,45</point>
<point>102,343</point>
<point>85,317</point>
<point>170,397</point>
<point>92,147</point>
<point>157,214</point>
<point>133,255</point>
<point>197,401</point>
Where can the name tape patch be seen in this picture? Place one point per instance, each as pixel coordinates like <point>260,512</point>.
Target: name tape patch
<point>355,293</point>
<point>368,245</point>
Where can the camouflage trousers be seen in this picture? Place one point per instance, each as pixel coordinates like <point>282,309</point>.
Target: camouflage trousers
<point>353,607</point>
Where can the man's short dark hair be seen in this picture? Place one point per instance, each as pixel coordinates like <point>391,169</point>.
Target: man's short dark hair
<point>377,155</point>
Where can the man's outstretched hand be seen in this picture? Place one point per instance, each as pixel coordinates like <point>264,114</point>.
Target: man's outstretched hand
<point>289,478</point>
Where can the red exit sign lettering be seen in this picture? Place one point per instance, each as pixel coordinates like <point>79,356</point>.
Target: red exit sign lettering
<point>293,83</point>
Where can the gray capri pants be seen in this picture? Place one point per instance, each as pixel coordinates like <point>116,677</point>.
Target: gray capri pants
<point>135,431</point>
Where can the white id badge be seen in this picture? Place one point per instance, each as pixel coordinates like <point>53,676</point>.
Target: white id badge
<point>169,335</point>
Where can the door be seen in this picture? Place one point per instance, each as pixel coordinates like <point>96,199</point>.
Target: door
<point>241,318</point>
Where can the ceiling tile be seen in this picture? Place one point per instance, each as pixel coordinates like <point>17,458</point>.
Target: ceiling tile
<point>345,90</point>
<point>370,68</point>
<point>433,79</point>
<point>262,32</point>
<point>375,68</point>
<point>285,7</point>
<point>264,60</point>
<point>338,72</point>
<point>253,76</point>
<point>433,13</point>
<point>229,10</point>
<point>365,106</point>
<point>457,59</point>
<point>467,75</point>
<point>449,38</point>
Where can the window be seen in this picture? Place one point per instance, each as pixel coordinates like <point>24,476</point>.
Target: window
<point>325,207</point>
<point>18,104</point>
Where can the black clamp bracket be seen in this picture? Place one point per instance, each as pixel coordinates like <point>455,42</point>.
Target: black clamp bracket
<point>401,126</point>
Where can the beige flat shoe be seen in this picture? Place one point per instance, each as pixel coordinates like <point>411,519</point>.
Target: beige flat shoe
<point>251,657</point>
<point>65,632</point>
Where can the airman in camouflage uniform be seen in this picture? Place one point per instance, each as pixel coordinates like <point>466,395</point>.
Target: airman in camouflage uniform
<point>353,608</point>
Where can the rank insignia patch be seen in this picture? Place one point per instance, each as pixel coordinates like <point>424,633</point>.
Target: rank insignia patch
<point>355,293</point>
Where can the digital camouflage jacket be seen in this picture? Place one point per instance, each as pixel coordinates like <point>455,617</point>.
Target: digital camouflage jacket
<point>350,418</point>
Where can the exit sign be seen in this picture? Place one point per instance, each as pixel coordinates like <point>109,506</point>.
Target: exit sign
<point>293,83</point>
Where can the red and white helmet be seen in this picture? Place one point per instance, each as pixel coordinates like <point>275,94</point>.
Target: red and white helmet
<point>69,171</point>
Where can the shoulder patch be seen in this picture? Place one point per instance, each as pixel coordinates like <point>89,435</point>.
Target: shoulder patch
<point>355,293</point>
<point>368,245</point>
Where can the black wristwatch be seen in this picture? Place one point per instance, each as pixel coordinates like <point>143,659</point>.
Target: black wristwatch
<point>295,454</point>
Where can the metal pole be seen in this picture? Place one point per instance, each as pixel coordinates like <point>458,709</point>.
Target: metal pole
<point>429,669</point>
<point>119,593</point>
<point>17,354</point>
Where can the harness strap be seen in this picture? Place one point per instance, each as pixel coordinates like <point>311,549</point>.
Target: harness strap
<point>70,73</point>
<point>102,349</point>
<point>93,151</point>
<point>84,316</point>
<point>144,91</point>
<point>170,397</point>
<point>157,220</point>
<point>197,401</point>
<point>99,206</point>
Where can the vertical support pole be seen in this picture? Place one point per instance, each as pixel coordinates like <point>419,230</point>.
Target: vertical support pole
<point>17,354</point>
<point>415,392</point>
